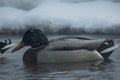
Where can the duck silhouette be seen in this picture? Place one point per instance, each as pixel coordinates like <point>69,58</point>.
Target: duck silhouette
<point>64,49</point>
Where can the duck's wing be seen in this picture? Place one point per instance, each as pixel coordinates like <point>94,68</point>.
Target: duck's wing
<point>74,44</point>
<point>69,37</point>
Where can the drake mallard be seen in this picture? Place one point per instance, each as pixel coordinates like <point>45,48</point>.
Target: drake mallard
<point>65,49</point>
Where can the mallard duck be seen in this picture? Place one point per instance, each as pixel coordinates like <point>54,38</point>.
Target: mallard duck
<point>4,46</point>
<point>65,49</point>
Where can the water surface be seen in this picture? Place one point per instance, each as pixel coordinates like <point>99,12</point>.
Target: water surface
<point>13,68</point>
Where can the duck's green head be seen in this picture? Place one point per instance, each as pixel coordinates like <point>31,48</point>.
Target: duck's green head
<point>32,37</point>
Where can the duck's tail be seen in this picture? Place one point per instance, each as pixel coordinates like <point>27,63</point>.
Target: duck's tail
<point>107,48</point>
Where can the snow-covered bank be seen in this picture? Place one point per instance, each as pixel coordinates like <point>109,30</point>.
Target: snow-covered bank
<point>64,17</point>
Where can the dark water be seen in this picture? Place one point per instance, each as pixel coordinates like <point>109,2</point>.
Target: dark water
<point>13,68</point>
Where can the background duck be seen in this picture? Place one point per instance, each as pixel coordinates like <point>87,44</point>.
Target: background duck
<point>4,46</point>
<point>65,49</point>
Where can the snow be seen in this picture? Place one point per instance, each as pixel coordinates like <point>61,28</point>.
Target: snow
<point>93,16</point>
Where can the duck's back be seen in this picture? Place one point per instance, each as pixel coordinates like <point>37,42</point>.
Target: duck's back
<point>74,44</point>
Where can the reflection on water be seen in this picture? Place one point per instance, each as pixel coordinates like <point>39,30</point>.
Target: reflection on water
<point>62,66</point>
<point>71,71</point>
<point>13,68</point>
